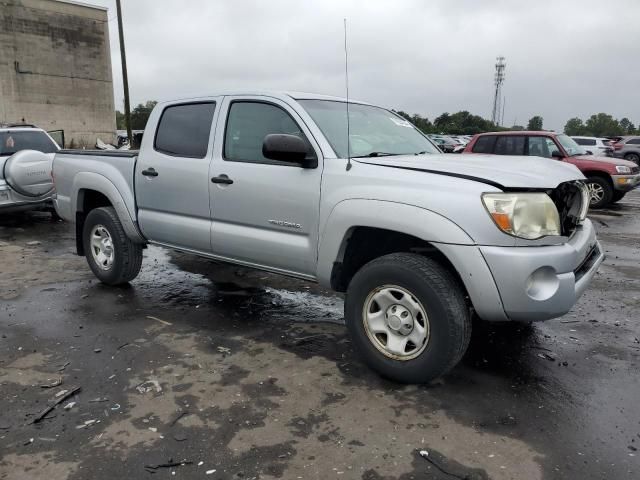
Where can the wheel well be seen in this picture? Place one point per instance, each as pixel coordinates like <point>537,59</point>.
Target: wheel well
<point>596,173</point>
<point>87,200</point>
<point>363,244</point>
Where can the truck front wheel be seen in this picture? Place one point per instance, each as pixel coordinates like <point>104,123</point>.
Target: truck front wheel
<point>111,255</point>
<point>408,317</point>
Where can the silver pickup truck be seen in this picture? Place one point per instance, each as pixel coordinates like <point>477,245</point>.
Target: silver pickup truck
<point>419,241</point>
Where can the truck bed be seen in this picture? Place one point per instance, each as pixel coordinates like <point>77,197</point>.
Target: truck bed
<point>102,153</point>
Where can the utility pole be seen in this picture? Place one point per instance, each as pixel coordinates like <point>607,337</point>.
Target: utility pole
<point>125,77</point>
<point>498,80</point>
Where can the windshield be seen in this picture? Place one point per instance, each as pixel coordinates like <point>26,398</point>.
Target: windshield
<point>14,141</point>
<point>571,146</point>
<point>373,131</point>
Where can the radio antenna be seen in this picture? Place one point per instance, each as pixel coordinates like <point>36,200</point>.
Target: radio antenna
<point>346,82</point>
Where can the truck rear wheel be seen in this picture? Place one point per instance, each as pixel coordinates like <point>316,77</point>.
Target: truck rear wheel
<point>111,255</point>
<point>408,317</point>
<point>601,192</point>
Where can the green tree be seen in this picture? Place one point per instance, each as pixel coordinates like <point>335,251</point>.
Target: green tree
<point>120,123</point>
<point>574,126</point>
<point>627,127</point>
<point>535,123</point>
<point>517,128</point>
<point>602,125</point>
<point>140,114</point>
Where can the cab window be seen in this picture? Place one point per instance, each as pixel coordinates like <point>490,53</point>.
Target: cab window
<point>248,123</point>
<point>509,145</point>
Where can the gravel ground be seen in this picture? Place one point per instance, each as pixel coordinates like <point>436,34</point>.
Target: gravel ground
<point>201,370</point>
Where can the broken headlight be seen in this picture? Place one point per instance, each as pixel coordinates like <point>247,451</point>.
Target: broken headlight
<point>524,215</point>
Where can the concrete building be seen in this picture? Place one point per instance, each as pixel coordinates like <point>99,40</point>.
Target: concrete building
<point>55,68</point>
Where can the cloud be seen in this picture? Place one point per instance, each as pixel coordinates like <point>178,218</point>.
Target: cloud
<point>564,59</point>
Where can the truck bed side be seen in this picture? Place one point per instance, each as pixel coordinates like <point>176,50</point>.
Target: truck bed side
<point>89,179</point>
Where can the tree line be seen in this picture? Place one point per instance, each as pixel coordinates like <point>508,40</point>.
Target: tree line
<point>459,123</point>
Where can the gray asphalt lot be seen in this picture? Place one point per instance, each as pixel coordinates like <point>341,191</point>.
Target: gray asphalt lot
<point>214,367</point>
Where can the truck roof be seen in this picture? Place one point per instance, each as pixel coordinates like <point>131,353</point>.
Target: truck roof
<point>522,132</point>
<point>282,95</point>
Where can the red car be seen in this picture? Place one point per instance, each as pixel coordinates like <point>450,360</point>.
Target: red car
<point>608,179</point>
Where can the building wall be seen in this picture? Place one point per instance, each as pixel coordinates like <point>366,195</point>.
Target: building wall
<point>55,68</point>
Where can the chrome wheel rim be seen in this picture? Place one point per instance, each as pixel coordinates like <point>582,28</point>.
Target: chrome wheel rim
<point>596,191</point>
<point>102,247</point>
<point>396,322</point>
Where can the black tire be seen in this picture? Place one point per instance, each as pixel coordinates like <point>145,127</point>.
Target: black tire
<point>607,192</point>
<point>633,157</point>
<point>617,196</point>
<point>443,300</point>
<point>127,259</point>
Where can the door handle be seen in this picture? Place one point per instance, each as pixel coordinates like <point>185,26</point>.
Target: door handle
<point>223,179</point>
<point>150,172</point>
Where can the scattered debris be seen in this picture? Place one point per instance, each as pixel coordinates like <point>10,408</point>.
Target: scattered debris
<point>170,464</point>
<point>58,399</point>
<point>69,405</point>
<point>116,407</point>
<point>546,356</point>
<point>180,415</point>
<point>52,385</point>
<point>149,386</point>
<point>33,243</point>
<point>224,350</point>
<point>209,472</point>
<point>99,400</point>
<point>63,367</point>
<point>28,442</point>
<point>86,424</point>
<point>153,429</point>
<point>159,320</point>
<point>97,350</point>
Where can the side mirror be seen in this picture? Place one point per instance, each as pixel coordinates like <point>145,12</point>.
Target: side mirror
<point>287,148</point>
<point>556,154</point>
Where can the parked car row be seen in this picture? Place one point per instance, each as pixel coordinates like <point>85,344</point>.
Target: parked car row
<point>608,179</point>
<point>628,148</point>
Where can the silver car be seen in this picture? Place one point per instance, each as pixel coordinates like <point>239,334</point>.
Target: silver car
<point>25,184</point>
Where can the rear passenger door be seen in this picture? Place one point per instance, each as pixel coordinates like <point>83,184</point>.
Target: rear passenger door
<point>171,176</point>
<point>266,212</point>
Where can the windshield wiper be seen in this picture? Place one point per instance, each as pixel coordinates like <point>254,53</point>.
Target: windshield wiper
<point>378,154</point>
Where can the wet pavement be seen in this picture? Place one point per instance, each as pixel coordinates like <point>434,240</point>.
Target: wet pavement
<point>199,366</point>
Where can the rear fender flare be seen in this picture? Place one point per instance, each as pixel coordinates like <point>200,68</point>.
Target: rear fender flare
<point>84,181</point>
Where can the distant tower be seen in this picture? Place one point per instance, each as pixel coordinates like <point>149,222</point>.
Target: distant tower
<point>497,97</point>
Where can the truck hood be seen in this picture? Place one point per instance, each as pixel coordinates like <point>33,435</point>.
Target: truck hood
<point>501,171</point>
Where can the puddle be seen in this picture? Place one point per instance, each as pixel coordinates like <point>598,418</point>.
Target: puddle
<point>201,283</point>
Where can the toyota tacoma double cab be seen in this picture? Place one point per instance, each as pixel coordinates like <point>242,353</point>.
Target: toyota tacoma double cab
<point>418,241</point>
<point>608,179</point>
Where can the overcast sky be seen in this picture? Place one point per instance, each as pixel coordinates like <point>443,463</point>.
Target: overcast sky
<point>564,58</point>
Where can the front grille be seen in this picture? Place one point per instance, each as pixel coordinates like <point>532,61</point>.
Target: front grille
<point>568,200</point>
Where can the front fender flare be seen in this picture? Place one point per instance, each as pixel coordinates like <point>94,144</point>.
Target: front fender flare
<point>400,217</point>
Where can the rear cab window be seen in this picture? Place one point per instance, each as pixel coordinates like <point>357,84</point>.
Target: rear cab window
<point>183,130</point>
<point>484,144</point>
<point>585,141</point>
